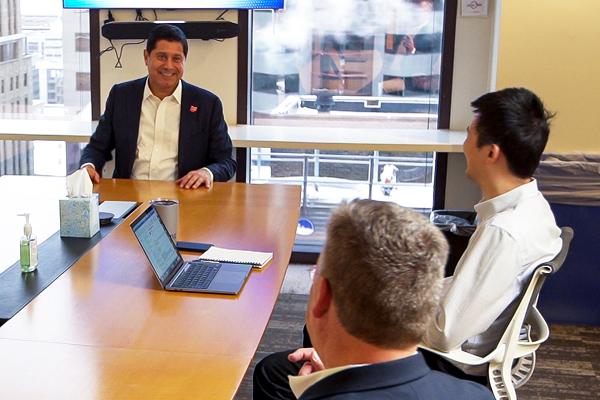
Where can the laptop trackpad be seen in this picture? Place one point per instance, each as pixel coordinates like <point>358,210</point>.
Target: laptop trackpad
<point>228,281</point>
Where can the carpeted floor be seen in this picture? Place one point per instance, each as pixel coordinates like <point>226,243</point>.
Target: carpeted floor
<point>283,332</point>
<point>568,366</point>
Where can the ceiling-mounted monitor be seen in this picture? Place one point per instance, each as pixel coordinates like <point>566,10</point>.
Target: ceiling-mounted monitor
<point>176,4</point>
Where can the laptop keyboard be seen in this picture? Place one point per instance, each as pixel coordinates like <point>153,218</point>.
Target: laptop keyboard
<point>198,275</point>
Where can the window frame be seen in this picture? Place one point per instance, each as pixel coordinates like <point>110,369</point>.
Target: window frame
<point>445,99</point>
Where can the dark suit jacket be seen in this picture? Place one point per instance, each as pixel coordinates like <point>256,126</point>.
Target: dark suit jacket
<point>203,137</point>
<point>406,379</point>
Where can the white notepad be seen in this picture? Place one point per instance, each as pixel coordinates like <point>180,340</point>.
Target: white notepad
<point>118,208</point>
<point>257,259</point>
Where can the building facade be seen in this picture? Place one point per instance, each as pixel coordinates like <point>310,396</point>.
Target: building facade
<point>16,88</point>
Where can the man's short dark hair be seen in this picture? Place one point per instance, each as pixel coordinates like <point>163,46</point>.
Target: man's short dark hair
<point>385,265</point>
<point>514,119</point>
<point>169,33</point>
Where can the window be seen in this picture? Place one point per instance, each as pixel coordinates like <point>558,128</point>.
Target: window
<point>369,64</point>
<point>82,42</point>
<point>53,85</point>
<point>8,52</point>
<point>33,47</point>
<point>36,84</point>
<point>83,81</point>
<point>377,61</point>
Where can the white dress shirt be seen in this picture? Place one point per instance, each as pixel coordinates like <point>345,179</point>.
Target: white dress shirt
<point>158,138</point>
<point>516,232</point>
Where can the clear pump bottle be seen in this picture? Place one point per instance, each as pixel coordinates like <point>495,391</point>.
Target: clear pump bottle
<point>29,259</point>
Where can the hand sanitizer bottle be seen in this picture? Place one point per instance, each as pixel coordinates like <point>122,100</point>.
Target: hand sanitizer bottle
<point>29,259</point>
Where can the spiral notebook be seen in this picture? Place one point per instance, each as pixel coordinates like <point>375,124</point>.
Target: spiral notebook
<point>257,259</point>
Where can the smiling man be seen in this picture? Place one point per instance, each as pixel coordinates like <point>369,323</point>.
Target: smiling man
<point>160,126</point>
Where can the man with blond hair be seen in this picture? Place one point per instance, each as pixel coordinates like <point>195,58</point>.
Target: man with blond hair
<point>376,285</point>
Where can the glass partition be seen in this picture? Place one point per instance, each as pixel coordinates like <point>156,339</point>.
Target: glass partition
<point>365,64</point>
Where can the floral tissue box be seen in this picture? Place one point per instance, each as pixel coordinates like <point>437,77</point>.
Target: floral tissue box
<point>79,217</point>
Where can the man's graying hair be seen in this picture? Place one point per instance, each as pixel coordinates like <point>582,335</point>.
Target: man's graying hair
<point>385,267</point>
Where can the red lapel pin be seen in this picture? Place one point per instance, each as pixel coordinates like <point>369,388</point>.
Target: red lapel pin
<point>193,108</point>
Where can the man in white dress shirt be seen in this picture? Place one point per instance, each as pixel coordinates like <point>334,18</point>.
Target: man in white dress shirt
<point>162,127</point>
<point>516,231</point>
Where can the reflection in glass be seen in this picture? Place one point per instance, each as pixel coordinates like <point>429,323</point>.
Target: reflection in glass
<point>347,63</point>
<point>331,60</point>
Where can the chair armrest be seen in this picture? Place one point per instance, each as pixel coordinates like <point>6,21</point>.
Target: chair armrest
<point>538,325</point>
<point>523,347</point>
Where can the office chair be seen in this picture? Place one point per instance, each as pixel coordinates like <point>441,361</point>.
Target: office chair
<point>512,362</point>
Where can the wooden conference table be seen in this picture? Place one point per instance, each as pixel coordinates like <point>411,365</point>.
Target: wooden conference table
<point>106,330</point>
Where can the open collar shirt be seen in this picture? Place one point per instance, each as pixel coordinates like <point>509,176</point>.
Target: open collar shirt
<point>158,139</point>
<point>516,232</point>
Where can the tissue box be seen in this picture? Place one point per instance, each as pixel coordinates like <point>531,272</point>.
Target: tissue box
<point>79,217</point>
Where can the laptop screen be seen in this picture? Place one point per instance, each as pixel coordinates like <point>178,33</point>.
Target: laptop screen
<point>156,242</point>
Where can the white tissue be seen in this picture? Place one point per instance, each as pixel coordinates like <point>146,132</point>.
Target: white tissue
<point>79,184</point>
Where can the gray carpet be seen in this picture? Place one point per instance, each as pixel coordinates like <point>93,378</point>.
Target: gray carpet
<point>568,366</point>
<point>283,332</point>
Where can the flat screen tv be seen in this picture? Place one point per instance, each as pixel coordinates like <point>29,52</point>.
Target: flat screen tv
<point>175,4</point>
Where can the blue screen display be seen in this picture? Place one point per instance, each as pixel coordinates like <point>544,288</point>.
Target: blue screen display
<point>157,244</point>
<point>176,4</point>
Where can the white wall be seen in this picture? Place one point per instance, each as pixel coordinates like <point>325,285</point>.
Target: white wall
<point>472,77</point>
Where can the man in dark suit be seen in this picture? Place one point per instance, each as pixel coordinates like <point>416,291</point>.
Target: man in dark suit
<point>160,126</point>
<point>376,285</point>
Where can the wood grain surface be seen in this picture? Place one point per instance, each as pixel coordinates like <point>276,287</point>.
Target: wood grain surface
<point>106,330</point>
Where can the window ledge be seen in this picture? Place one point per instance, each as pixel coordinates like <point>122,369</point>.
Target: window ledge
<point>44,129</point>
<point>293,137</point>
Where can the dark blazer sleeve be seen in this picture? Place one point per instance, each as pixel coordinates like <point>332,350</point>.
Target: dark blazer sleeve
<point>102,142</point>
<point>117,129</point>
<point>204,140</point>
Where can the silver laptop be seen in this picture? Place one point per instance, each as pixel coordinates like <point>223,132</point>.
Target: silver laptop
<point>175,274</point>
